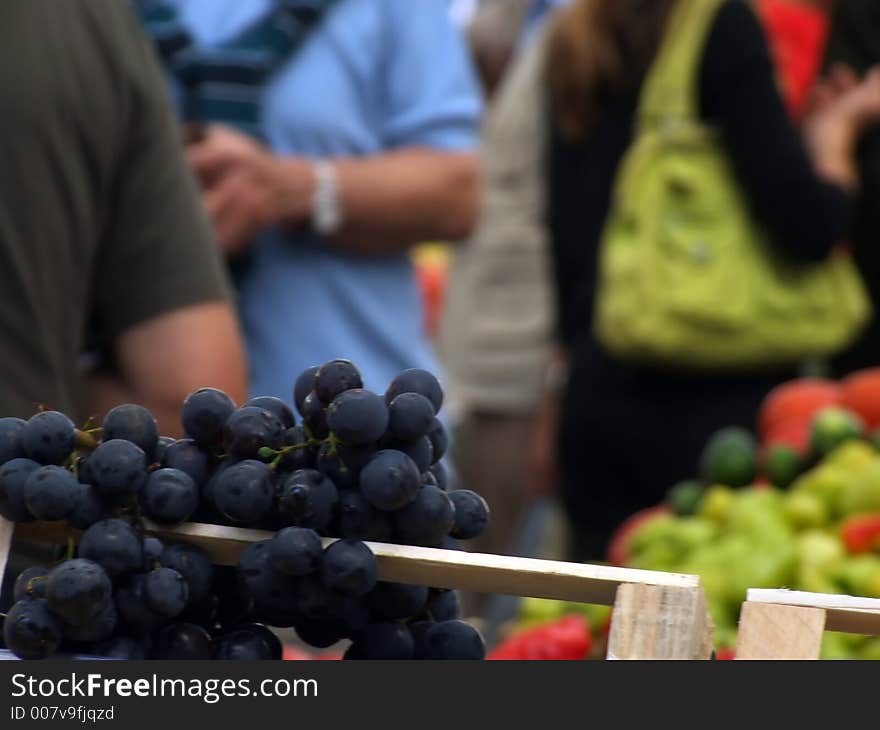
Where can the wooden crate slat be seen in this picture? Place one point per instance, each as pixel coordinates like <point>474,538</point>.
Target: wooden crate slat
<point>660,622</point>
<point>777,631</point>
<point>852,614</point>
<point>461,570</point>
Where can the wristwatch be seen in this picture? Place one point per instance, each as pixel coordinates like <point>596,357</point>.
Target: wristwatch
<point>327,213</point>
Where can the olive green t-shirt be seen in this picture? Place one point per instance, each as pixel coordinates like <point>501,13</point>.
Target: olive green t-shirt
<point>101,226</point>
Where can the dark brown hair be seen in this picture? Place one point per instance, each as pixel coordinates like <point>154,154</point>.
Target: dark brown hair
<point>599,49</point>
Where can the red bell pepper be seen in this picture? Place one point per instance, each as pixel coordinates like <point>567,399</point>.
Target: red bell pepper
<point>861,534</point>
<point>568,638</point>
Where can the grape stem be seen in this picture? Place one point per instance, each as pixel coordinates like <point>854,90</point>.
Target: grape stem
<point>86,440</point>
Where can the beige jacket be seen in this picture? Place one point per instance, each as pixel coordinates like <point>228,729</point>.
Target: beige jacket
<point>500,319</point>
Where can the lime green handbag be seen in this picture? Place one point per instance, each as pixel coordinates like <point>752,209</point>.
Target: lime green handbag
<point>687,276</point>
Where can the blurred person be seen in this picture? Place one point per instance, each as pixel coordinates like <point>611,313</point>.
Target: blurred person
<point>104,240</point>
<point>336,135</point>
<point>853,49</point>
<point>628,431</point>
<point>101,228</point>
<point>496,334</point>
<point>499,29</point>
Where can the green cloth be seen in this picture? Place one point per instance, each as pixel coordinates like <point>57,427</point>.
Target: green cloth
<point>100,223</point>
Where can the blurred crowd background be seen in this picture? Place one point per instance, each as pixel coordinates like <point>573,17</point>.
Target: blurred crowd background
<point>225,192</point>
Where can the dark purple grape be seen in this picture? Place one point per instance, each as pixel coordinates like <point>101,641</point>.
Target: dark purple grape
<point>131,604</point>
<point>336,377</point>
<point>330,463</point>
<point>357,519</point>
<point>304,385</point>
<point>349,567</point>
<point>390,480</point>
<point>169,497</point>
<point>411,416</point>
<point>186,456</point>
<point>88,508</point>
<point>419,631</point>
<point>269,588</point>
<point>312,597</point>
<point>314,417</point>
<point>301,458</point>
<point>184,642</point>
<point>30,583</point>
<point>426,520</point>
<point>357,417</point>
<point>416,381</point>
<point>50,493</point>
<point>244,492</point>
<point>307,499</point>
<point>296,551</point>
<point>396,601</point>
<point>441,475</point>
<point>439,439</point>
<point>118,469</point>
<point>78,590</point>
<point>420,451</point>
<point>11,439</point>
<point>276,407</point>
<point>442,605</point>
<point>162,446</point>
<point>352,614</point>
<point>30,630</point>
<point>382,641</point>
<point>249,643</point>
<point>114,545</point>
<point>454,640</point>
<point>194,565</point>
<point>132,423</point>
<point>204,414</point>
<point>250,429</point>
<point>13,476</point>
<point>153,549</point>
<point>471,514</point>
<point>98,628</point>
<point>123,647</point>
<point>166,592</point>
<point>49,437</point>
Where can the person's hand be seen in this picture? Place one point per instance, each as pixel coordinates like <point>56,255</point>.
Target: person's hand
<point>842,107</point>
<point>246,187</point>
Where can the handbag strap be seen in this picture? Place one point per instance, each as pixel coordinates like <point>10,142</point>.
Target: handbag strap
<point>671,90</point>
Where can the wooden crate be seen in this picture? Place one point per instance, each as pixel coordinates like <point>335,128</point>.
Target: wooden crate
<point>656,615</point>
<point>782,624</point>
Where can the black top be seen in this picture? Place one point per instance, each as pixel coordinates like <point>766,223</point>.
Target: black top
<point>100,218</point>
<point>855,41</point>
<point>738,94</point>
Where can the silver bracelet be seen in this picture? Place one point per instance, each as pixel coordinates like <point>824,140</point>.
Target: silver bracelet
<point>327,213</point>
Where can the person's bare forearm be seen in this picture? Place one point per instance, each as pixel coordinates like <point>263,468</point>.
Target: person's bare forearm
<point>396,199</point>
<point>106,390</point>
<point>164,359</point>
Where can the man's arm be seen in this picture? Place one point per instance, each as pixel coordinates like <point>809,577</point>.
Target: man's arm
<point>162,360</point>
<point>390,201</point>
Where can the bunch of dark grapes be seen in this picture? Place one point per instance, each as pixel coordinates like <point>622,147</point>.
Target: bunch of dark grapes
<point>357,466</point>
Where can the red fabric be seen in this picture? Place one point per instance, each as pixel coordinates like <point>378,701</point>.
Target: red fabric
<point>798,34</point>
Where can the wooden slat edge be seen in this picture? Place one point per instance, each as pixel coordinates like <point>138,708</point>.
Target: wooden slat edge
<point>852,614</point>
<point>478,572</point>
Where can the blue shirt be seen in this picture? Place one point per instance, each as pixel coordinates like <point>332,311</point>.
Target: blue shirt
<point>375,75</point>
